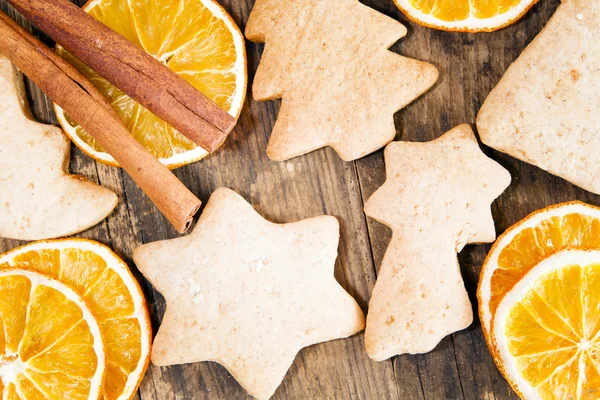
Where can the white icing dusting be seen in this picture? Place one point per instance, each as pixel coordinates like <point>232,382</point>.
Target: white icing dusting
<point>259,265</point>
<point>195,292</point>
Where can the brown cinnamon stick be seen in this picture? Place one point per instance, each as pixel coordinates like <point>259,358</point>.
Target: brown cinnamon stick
<point>132,70</point>
<point>81,100</point>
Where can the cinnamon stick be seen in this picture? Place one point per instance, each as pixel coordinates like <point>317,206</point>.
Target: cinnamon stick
<point>81,100</point>
<point>132,70</point>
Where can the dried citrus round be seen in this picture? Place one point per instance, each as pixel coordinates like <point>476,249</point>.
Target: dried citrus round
<point>196,39</point>
<point>50,342</point>
<point>465,15</point>
<point>573,225</point>
<point>113,295</point>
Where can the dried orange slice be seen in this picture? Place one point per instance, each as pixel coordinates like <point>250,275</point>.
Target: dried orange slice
<point>546,329</point>
<point>104,281</point>
<point>50,343</point>
<point>465,15</point>
<point>196,39</point>
<point>573,225</point>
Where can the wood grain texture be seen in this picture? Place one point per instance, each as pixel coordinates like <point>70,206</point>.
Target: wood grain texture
<point>460,367</point>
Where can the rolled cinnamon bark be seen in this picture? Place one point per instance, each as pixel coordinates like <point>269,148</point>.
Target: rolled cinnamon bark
<point>81,100</point>
<point>132,70</point>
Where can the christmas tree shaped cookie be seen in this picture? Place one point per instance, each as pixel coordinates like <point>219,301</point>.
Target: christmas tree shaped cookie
<point>436,198</point>
<point>545,110</point>
<point>38,198</point>
<point>329,61</point>
<point>248,293</point>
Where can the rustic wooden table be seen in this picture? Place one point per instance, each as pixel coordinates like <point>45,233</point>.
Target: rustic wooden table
<point>460,367</point>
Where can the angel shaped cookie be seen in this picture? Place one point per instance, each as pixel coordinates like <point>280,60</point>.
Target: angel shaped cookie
<point>436,199</point>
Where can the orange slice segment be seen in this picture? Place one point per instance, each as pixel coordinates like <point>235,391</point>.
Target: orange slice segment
<point>546,330</point>
<point>197,39</point>
<point>104,281</point>
<point>51,345</point>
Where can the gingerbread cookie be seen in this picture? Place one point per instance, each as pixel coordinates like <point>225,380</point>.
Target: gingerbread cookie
<point>545,110</point>
<point>436,199</point>
<point>329,61</point>
<point>38,197</point>
<point>248,293</point>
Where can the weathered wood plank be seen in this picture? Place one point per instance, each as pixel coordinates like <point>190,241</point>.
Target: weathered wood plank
<point>319,183</point>
<point>470,65</point>
<point>316,184</point>
<point>434,375</point>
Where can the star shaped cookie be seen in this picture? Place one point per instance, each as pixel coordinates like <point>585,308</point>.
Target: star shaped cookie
<point>248,293</point>
<point>329,61</point>
<point>436,199</point>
